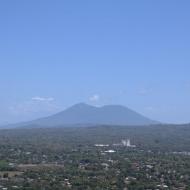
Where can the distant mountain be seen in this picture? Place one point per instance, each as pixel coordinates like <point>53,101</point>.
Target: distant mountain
<point>84,114</point>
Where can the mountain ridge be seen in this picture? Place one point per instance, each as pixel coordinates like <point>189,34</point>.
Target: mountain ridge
<point>83,114</point>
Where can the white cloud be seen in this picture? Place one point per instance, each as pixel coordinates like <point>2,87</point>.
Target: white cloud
<point>144,91</point>
<point>34,105</point>
<point>149,108</point>
<point>94,98</point>
<point>43,99</point>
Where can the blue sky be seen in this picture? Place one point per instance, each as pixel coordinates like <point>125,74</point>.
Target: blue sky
<point>57,53</point>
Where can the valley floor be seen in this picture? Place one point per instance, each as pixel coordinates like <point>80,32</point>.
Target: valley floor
<point>97,158</point>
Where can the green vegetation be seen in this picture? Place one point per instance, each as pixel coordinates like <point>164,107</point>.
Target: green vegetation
<point>94,158</point>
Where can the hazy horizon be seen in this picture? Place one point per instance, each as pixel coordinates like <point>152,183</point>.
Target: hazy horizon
<point>131,53</point>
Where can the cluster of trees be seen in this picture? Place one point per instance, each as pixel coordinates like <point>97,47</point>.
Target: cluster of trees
<point>67,158</point>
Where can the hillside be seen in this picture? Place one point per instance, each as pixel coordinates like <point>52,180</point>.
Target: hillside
<point>86,114</point>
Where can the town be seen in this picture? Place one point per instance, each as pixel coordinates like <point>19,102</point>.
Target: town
<point>71,158</point>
